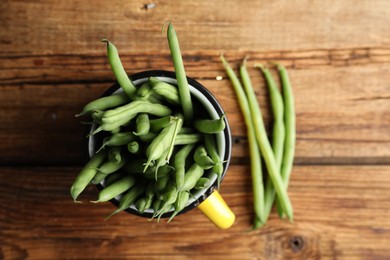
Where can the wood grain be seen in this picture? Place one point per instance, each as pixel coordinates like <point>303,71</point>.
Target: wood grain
<point>52,27</point>
<point>345,119</point>
<point>340,213</point>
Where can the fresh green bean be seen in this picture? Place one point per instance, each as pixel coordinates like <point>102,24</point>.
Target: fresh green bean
<point>178,125</point>
<point>119,72</point>
<point>210,126</point>
<point>160,144</point>
<point>142,124</point>
<point>179,164</point>
<point>256,171</point>
<point>86,174</point>
<point>158,124</point>
<point>278,135</point>
<point>202,159</point>
<point>114,154</point>
<point>97,116</point>
<point>265,147</point>
<point>106,169</point>
<point>161,183</point>
<point>191,177</point>
<point>112,178</point>
<point>132,109</point>
<point>128,198</point>
<point>116,188</point>
<point>118,139</point>
<point>167,91</point>
<point>289,120</point>
<point>183,139</point>
<point>111,127</point>
<point>211,148</point>
<point>141,205</point>
<point>162,171</point>
<point>147,138</point>
<point>182,83</point>
<point>169,194</point>
<point>180,203</point>
<point>133,147</point>
<point>156,205</point>
<point>104,103</point>
<point>144,91</point>
<point>202,183</point>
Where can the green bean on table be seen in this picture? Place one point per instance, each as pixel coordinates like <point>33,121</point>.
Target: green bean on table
<point>278,135</point>
<point>265,147</point>
<point>256,171</point>
<point>289,121</point>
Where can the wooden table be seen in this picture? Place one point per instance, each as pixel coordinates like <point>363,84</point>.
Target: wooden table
<point>338,55</point>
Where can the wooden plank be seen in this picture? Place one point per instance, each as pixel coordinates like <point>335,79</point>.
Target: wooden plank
<point>77,27</point>
<point>345,119</point>
<point>340,212</point>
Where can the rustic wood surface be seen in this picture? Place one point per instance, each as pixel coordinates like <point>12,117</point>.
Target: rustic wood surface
<point>338,54</point>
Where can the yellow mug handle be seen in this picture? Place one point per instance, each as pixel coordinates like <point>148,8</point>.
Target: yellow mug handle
<point>216,209</point>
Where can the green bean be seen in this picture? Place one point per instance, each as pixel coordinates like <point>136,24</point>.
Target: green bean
<point>97,116</point>
<point>118,139</point>
<point>202,159</point>
<point>112,178</point>
<point>202,183</point>
<point>156,205</point>
<point>278,135</point>
<point>162,171</point>
<point>183,139</point>
<point>133,109</point>
<point>167,91</point>
<point>114,154</point>
<point>210,126</point>
<point>161,183</point>
<point>104,103</point>
<point>119,72</point>
<point>158,124</point>
<point>191,177</point>
<point>256,171</point>
<point>144,91</point>
<point>140,204</point>
<point>147,138</point>
<point>289,120</point>
<point>149,195</point>
<point>178,125</point>
<point>142,124</point>
<point>106,169</point>
<point>266,149</point>
<point>115,189</point>
<point>160,144</point>
<point>111,127</point>
<point>180,203</point>
<point>211,148</point>
<point>86,174</point>
<point>179,164</point>
<point>128,198</point>
<point>169,194</point>
<point>182,83</point>
<point>133,147</point>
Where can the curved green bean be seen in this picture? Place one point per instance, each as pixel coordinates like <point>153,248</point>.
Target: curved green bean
<point>119,72</point>
<point>210,126</point>
<point>115,189</point>
<point>87,174</point>
<point>182,83</point>
<point>104,103</point>
<point>142,124</point>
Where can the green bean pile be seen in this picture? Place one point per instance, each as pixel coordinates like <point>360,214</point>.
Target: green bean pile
<point>277,154</point>
<point>155,151</point>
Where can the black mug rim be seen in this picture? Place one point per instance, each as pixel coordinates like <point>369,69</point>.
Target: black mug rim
<point>218,108</point>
